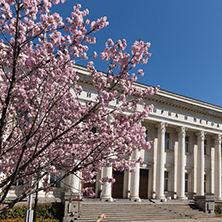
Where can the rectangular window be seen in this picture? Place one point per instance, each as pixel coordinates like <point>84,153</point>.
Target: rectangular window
<point>205,147</point>
<point>166,180</point>
<point>53,178</point>
<point>186,144</point>
<point>146,138</point>
<point>167,141</point>
<point>186,182</point>
<point>205,183</point>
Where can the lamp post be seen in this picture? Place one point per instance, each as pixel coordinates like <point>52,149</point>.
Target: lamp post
<point>29,212</point>
<point>36,203</point>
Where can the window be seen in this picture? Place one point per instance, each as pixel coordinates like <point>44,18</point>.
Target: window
<point>53,178</point>
<point>205,183</point>
<point>186,144</point>
<point>167,141</point>
<point>186,182</point>
<point>205,147</point>
<point>166,180</point>
<point>146,138</point>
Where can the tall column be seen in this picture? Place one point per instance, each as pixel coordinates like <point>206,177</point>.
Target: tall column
<point>98,184</point>
<point>212,168</point>
<point>106,189</point>
<point>135,178</point>
<point>200,164</point>
<point>175,175</point>
<point>160,161</point>
<point>74,183</point>
<point>181,164</point>
<point>155,165</point>
<point>194,175</point>
<point>218,168</point>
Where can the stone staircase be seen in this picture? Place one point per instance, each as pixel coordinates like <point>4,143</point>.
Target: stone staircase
<point>125,210</point>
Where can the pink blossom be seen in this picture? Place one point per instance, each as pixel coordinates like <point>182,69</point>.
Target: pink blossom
<point>95,55</point>
<point>124,60</point>
<point>49,121</point>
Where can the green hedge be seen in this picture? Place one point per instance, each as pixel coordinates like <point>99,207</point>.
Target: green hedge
<point>218,209</point>
<point>46,211</point>
<point>22,220</point>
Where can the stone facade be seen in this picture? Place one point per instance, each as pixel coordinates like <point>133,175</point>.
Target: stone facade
<point>185,159</point>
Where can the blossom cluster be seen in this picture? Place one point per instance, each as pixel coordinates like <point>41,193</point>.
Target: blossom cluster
<point>44,127</point>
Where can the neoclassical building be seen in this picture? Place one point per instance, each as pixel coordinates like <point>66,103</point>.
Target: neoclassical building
<point>185,159</point>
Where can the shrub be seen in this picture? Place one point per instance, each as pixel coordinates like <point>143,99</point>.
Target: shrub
<point>22,220</point>
<point>50,211</point>
<point>218,209</point>
<point>15,212</point>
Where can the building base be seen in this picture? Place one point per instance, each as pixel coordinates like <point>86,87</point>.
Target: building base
<point>72,207</point>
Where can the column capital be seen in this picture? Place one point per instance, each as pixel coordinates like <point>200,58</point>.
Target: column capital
<point>217,138</point>
<point>182,130</point>
<point>162,127</point>
<point>201,134</point>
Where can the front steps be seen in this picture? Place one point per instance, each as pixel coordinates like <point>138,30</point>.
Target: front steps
<point>124,210</point>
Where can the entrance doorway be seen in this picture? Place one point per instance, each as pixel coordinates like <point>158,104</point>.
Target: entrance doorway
<point>117,191</point>
<point>143,188</point>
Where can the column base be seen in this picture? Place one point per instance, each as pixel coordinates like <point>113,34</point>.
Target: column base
<point>160,197</point>
<point>135,199</point>
<point>182,198</point>
<point>107,199</point>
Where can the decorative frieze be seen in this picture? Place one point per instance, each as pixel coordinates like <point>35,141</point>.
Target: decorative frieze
<point>172,115</point>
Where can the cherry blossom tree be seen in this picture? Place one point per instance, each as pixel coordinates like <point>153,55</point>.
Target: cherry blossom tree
<point>44,127</point>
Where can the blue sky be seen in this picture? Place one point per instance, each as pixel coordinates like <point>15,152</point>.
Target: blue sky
<point>185,36</point>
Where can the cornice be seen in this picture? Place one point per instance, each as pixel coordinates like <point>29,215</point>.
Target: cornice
<point>186,103</point>
<point>166,97</point>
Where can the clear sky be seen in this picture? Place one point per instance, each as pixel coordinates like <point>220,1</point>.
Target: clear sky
<point>185,36</point>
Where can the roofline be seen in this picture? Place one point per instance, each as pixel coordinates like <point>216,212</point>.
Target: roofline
<point>173,96</point>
